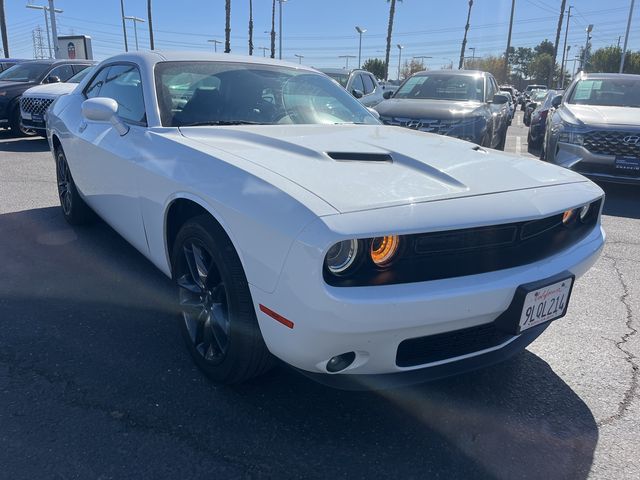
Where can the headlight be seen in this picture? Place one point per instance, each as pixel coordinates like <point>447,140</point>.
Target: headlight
<point>383,249</point>
<point>571,133</point>
<point>342,256</point>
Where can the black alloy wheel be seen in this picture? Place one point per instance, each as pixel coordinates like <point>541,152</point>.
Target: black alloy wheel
<point>74,208</point>
<point>217,315</point>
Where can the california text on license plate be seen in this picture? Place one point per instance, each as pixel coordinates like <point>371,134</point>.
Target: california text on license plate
<point>545,304</point>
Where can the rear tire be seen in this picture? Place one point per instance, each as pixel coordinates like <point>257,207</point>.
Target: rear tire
<point>503,141</point>
<point>217,318</point>
<point>74,208</point>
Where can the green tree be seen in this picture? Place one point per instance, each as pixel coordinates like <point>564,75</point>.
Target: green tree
<point>392,14</point>
<point>411,67</point>
<point>375,66</point>
<point>607,60</point>
<point>492,64</point>
<point>546,46</point>
<point>540,67</point>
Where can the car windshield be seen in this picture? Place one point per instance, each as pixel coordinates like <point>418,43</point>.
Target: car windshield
<point>77,78</point>
<point>24,72</point>
<point>614,92</point>
<point>341,78</point>
<point>538,95</point>
<point>225,93</point>
<point>443,87</point>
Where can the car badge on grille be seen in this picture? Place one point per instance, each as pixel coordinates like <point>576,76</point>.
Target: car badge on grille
<point>414,124</point>
<point>631,140</point>
<point>37,103</point>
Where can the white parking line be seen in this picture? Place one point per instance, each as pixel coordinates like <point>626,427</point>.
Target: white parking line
<point>518,145</point>
<point>519,122</point>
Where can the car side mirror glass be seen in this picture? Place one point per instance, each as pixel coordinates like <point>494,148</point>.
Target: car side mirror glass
<point>357,93</point>
<point>387,95</point>
<point>53,79</point>
<point>102,109</point>
<point>557,100</point>
<point>500,99</point>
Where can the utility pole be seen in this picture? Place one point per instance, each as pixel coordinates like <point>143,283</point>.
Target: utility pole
<point>38,44</point>
<point>215,44</point>
<point>565,50</point>
<point>280,2</point>
<point>3,27</point>
<point>45,10</point>
<point>464,39</point>
<point>150,19</point>
<point>506,53</point>
<point>124,26</point>
<point>54,29</point>
<point>250,27</point>
<point>347,57</point>
<point>626,37</point>
<point>555,45</point>
<point>585,53</point>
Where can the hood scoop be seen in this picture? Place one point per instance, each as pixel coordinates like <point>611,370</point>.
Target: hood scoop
<point>360,157</point>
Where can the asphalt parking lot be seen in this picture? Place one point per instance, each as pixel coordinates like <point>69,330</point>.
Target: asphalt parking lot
<point>95,381</point>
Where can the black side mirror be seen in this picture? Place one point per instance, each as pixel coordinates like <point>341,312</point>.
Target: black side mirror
<point>53,79</point>
<point>357,93</point>
<point>500,99</point>
<point>387,95</point>
<point>557,100</point>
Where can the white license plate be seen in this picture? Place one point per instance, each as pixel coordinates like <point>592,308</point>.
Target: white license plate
<point>545,304</point>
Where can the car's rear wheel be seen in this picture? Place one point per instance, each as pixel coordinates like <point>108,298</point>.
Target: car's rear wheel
<point>74,208</point>
<point>503,140</point>
<point>217,316</point>
<point>16,127</point>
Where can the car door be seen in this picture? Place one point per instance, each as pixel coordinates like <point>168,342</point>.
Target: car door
<point>356,84</point>
<point>62,72</point>
<point>110,161</point>
<point>370,99</point>
<point>497,111</point>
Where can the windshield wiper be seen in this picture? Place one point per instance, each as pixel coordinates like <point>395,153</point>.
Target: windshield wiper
<point>221,122</point>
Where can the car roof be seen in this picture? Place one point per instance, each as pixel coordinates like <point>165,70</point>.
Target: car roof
<point>13,60</point>
<point>149,57</point>
<point>603,76</point>
<point>56,61</point>
<point>452,72</point>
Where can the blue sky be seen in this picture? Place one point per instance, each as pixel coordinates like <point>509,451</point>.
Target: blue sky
<point>323,30</point>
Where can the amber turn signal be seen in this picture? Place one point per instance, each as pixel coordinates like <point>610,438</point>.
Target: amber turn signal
<point>384,249</point>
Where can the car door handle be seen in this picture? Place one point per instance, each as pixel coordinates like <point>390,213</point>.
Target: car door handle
<point>82,127</point>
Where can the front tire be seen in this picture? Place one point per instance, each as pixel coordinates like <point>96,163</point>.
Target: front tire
<point>74,208</point>
<point>217,318</point>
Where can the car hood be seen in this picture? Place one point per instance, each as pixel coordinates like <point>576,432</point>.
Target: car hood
<point>596,115</point>
<point>420,108</point>
<point>51,89</point>
<point>361,167</point>
<point>4,85</point>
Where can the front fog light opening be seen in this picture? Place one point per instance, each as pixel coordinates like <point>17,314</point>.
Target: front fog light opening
<point>568,216</point>
<point>340,362</point>
<point>383,249</point>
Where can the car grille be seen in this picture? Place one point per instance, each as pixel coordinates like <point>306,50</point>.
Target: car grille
<point>431,125</point>
<point>433,348</point>
<point>607,142</point>
<point>35,105</point>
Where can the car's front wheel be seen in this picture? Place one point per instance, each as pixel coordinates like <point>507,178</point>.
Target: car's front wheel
<point>74,208</point>
<point>217,316</point>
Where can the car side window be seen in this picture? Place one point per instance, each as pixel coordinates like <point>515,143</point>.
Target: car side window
<point>77,68</point>
<point>369,86</point>
<point>491,89</point>
<point>357,83</point>
<point>63,72</point>
<point>124,84</point>
<point>93,89</point>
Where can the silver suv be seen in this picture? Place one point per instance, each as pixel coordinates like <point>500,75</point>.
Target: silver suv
<point>359,83</point>
<point>595,129</point>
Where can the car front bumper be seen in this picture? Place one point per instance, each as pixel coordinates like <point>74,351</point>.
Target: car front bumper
<point>597,167</point>
<point>373,321</point>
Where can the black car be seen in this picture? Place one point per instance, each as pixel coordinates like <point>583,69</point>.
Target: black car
<point>537,97</point>
<point>7,63</point>
<point>15,80</point>
<point>465,104</point>
<point>538,120</point>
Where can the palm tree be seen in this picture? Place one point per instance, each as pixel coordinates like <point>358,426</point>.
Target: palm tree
<point>392,13</point>
<point>227,26</point>
<point>151,45</point>
<point>250,27</point>
<point>273,29</point>
<point>3,28</point>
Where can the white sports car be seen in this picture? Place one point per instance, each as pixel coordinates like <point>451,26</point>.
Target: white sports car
<point>296,226</point>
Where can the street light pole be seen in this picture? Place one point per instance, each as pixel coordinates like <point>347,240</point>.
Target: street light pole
<point>347,57</point>
<point>360,30</point>
<point>422,58</point>
<point>626,37</point>
<point>400,47</point>
<point>264,50</point>
<point>124,26</point>
<point>300,57</point>
<point>135,21</point>
<point>585,54</point>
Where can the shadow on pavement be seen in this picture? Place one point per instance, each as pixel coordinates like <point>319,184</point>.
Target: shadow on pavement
<point>621,200</point>
<point>11,143</point>
<point>97,371</point>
